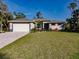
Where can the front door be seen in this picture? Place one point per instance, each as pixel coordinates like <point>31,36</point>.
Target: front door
<point>46,26</point>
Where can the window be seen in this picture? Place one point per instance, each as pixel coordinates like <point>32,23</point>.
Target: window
<point>59,23</point>
<point>53,23</point>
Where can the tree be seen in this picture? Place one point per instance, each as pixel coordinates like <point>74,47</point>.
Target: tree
<point>76,0</point>
<point>9,16</point>
<point>1,22</point>
<point>71,22</point>
<point>6,16</point>
<point>76,18</point>
<point>72,6</point>
<point>19,15</point>
<point>40,25</point>
<point>74,21</point>
<point>3,7</point>
<point>39,15</point>
<point>40,21</point>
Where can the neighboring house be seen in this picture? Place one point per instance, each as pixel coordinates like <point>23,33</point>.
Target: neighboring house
<point>24,25</point>
<point>20,25</point>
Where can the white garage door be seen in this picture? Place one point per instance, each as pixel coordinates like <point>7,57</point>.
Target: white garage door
<point>21,28</point>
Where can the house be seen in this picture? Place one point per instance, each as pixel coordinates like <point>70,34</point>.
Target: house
<point>24,25</point>
<point>21,25</point>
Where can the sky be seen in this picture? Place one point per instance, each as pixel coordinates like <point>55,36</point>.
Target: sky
<point>50,9</point>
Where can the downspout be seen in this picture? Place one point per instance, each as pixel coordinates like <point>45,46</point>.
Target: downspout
<point>1,25</point>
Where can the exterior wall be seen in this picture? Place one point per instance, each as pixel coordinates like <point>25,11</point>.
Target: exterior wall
<point>32,25</point>
<point>56,27</point>
<point>44,23</point>
<point>19,27</point>
<point>25,27</point>
<point>10,26</point>
<point>0,27</point>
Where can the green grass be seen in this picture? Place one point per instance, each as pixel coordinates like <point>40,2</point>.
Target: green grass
<point>43,45</point>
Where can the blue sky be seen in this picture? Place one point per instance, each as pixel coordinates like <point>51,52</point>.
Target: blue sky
<point>51,9</point>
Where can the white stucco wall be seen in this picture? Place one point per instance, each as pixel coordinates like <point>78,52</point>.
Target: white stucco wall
<point>32,25</point>
<point>44,23</point>
<point>19,27</point>
<point>10,26</point>
<point>56,26</point>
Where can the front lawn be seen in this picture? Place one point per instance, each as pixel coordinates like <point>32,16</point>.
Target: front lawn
<point>43,45</point>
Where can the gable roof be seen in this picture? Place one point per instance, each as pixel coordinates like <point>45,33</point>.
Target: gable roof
<point>20,20</point>
<point>57,21</point>
<point>23,20</point>
<point>42,19</point>
<point>49,21</point>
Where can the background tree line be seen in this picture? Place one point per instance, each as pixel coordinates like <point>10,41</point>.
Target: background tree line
<point>73,22</point>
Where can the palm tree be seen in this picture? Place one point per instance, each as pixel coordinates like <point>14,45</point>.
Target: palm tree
<point>72,6</point>
<point>39,15</point>
<point>76,0</point>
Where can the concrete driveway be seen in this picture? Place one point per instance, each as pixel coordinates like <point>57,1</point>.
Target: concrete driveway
<point>9,37</point>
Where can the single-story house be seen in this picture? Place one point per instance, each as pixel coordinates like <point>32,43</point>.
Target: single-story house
<point>24,25</point>
<point>21,25</point>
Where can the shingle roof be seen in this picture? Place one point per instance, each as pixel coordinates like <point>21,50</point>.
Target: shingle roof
<point>45,20</point>
<point>20,20</point>
<point>36,20</point>
<point>57,21</point>
<point>49,21</point>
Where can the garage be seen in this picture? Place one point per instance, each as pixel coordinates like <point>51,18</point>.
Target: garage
<point>20,25</point>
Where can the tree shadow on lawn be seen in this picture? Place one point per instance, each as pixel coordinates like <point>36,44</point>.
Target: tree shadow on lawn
<point>70,31</point>
<point>4,56</point>
<point>75,56</point>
